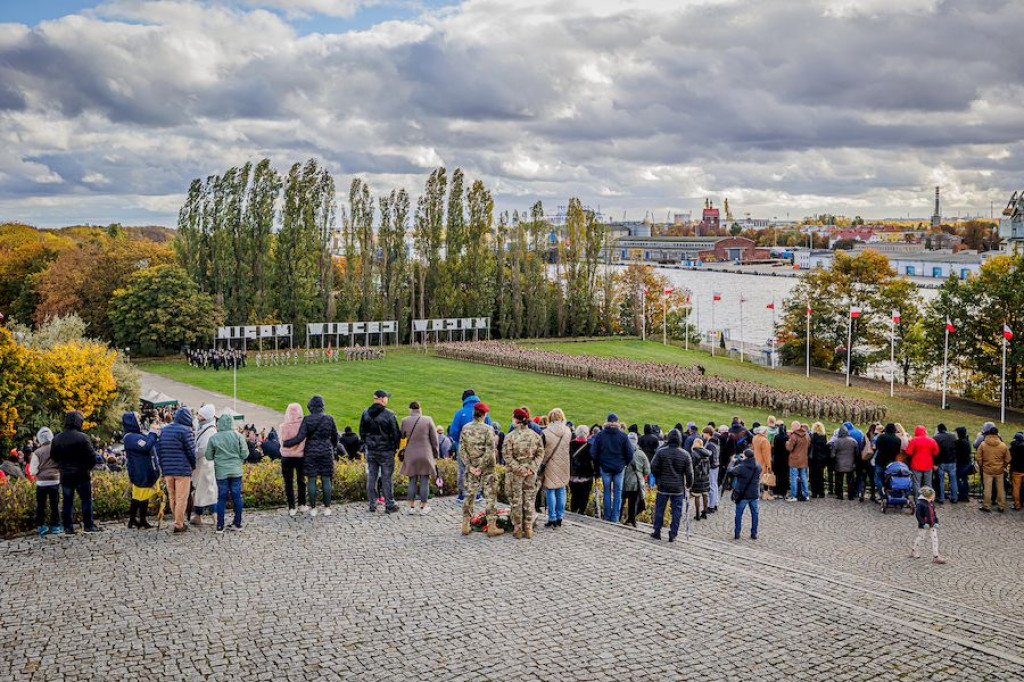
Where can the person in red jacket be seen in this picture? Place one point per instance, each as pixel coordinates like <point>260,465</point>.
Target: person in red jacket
<point>922,450</point>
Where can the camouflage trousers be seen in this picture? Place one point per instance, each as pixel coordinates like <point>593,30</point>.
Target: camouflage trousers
<point>524,490</point>
<point>471,485</point>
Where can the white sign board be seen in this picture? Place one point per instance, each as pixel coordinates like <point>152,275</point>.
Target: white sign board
<point>373,327</point>
<point>389,327</point>
<point>420,326</point>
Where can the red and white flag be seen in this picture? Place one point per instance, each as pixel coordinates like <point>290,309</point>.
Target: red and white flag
<point>716,296</point>
<point>645,292</point>
<point>809,310</point>
<point>770,306</point>
<point>854,312</point>
<point>895,317</point>
<point>949,326</point>
<point>669,290</point>
<point>1007,332</point>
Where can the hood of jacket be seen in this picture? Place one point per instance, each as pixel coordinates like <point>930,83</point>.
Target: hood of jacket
<point>130,423</point>
<point>993,439</point>
<point>920,432</point>
<point>1017,437</point>
<point>183,416</point>
<point>376,409</point>
<point>675,438</point>
<point>44,436</point>
<point>849,427</point>
<point>842,432</point>
<point>272,435</point>
<point>986,427</point>
<point>613,426</point>
<point>315,405</point>
<point>648,429</point>
<point>470,401</point>
<point>225,422</point>
<point>293,413</point>
<point>73,420</point>
<point>961,432</point>
<point>891,429</point>
<point>801,432</point>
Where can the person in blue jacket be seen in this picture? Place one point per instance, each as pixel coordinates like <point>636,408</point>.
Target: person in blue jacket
<point>176,452</point>
<point>612,452</point>
<point>462,417</point>
<point>856,434</point>
<point>140,452</point>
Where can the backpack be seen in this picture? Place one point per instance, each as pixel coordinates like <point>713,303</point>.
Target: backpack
<point>701,468</point>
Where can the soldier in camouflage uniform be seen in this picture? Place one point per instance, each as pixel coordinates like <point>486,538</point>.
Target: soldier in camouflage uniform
<point>477,445</point>
<point>524,451</point>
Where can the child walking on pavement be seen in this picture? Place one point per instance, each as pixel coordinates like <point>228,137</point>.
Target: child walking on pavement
<point>927,524</point>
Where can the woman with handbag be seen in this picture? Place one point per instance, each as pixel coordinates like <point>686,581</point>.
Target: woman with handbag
<point>555,466</point>
<point>418,454</point>
<point>634,486</point>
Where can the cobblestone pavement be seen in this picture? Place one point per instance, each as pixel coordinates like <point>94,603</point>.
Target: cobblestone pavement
<point>826,593</point>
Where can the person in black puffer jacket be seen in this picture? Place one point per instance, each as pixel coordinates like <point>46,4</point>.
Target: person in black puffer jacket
<point>581,471</point>
<point>746,491</point>
<point>140,452</point>
<point>945,463</point>
<point>964,464</point>
<point>321,436</point>
<point>672,468</point>
<point>378,427</point>
<point>73,452</point>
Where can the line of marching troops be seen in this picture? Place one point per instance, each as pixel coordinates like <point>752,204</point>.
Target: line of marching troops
<point>689,382</point>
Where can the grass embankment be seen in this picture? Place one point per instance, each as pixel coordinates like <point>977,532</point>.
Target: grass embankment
<point>907,412</point>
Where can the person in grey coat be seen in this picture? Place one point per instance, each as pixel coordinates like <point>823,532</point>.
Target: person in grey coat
<point>419,459</point>
<point>844,450</point>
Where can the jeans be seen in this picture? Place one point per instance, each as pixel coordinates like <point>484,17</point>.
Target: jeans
<point>879,479</point>
<point>963,481</point>
<point>294,479</point>
<point>660,502</point>
<point>419,486</point>
<point>229,486</point>
<point>556,503</point>
<point>381,467</point>
<point>612,495</point>
<point>69,485</point>
<point>946,470</point>
<point>46,498</point>
<point>798,482</point>
<point>865,475</point>
<point>740,506</point>
<point>326,489</point>
<point>921,478</point>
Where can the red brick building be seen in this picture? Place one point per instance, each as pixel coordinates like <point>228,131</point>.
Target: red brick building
<point>732,249</point>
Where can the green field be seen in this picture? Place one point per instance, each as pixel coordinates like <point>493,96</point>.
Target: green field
<point>438,384</point>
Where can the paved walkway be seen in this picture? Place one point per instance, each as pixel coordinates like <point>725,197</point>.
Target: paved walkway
<point>826,592</point>
<point>194,397</point>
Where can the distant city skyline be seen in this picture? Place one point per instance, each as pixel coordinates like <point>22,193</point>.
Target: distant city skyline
<point>854,107</point>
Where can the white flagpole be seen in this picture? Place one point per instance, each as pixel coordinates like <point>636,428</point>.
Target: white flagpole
<point>714,331</point>
<point>1002,387</point>
<point>808,371</point>
<point>945,365</point>
<point>741,327</point>
<point>234,395</point>
<point>849,346</point>
<point>643,316</point>
<point>664,319</point>
<point>892,358</point>
<point>773,333</point>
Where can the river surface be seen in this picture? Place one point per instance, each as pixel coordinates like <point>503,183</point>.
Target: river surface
<point>757,290</point>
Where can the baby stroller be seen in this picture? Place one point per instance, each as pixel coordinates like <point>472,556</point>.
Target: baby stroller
<point>897,488</point>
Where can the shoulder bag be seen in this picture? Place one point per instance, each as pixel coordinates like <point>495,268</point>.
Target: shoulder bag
<point>405,441</point>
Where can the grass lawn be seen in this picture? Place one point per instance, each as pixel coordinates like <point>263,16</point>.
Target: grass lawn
<point>907,412</point>
<point>438,384</point>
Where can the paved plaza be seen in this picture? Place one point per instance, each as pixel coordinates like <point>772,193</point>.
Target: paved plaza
<point>827,592</point>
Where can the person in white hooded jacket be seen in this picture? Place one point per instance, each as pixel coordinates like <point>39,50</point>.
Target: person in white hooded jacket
<point>204,482</point>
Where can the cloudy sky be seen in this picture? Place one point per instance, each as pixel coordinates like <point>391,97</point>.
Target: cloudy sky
<point>787,107</point>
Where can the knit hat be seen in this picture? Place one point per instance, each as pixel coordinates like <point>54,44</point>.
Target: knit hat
<point>613,417</point>
<point>926,493</point>
<point>468,392</point>
<point>521,414</point>
<point>207,412</point>
<point>481,408</point>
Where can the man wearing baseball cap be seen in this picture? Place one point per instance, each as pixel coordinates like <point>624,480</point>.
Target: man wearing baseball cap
<point>378,427</point>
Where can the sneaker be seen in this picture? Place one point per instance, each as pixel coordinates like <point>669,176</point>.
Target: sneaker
<point>425,510</point>
<point>220,530</point>
<point>312,513</point>
<point>671,538</point>
<point>94,529</point>
<point>372,510</point>
<point>292,512</point>
<point>327,511</point>
<point>235,528</point>
<point>391,510</point>
<point>461,498</point>
<point>409,511</point>
<point>56,530</point>
<point>180,530</point>
<point>479,497</point>
<point>789,498</point>
<point>938,560</point>
<point>656,536</point>
<point>70,531</point>
<point>43,530</point>
<point>753,537</point>
<point>304,508</point>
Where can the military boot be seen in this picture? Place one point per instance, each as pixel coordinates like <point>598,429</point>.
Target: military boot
<point>466,528</point>
<point>493,530</point>
<point>528,532</point>
<point>517,534</point>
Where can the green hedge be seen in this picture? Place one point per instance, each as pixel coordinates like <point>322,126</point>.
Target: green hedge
<point>262,486</point>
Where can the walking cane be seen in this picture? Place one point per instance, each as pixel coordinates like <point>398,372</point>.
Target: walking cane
<point>687,512</point>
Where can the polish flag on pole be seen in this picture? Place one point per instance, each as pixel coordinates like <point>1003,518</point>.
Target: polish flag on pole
<point>896,317</point>
<point>770,306</point>
<point>1007,332</point>
<point>669,290</point>
<point>949,326</point>
<point>716,296</point>
<point>854,312</point>
<point>645,292</point>
<point>809,311</point>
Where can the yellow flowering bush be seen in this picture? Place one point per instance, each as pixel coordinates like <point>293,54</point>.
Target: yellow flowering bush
<point>78,375</point>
